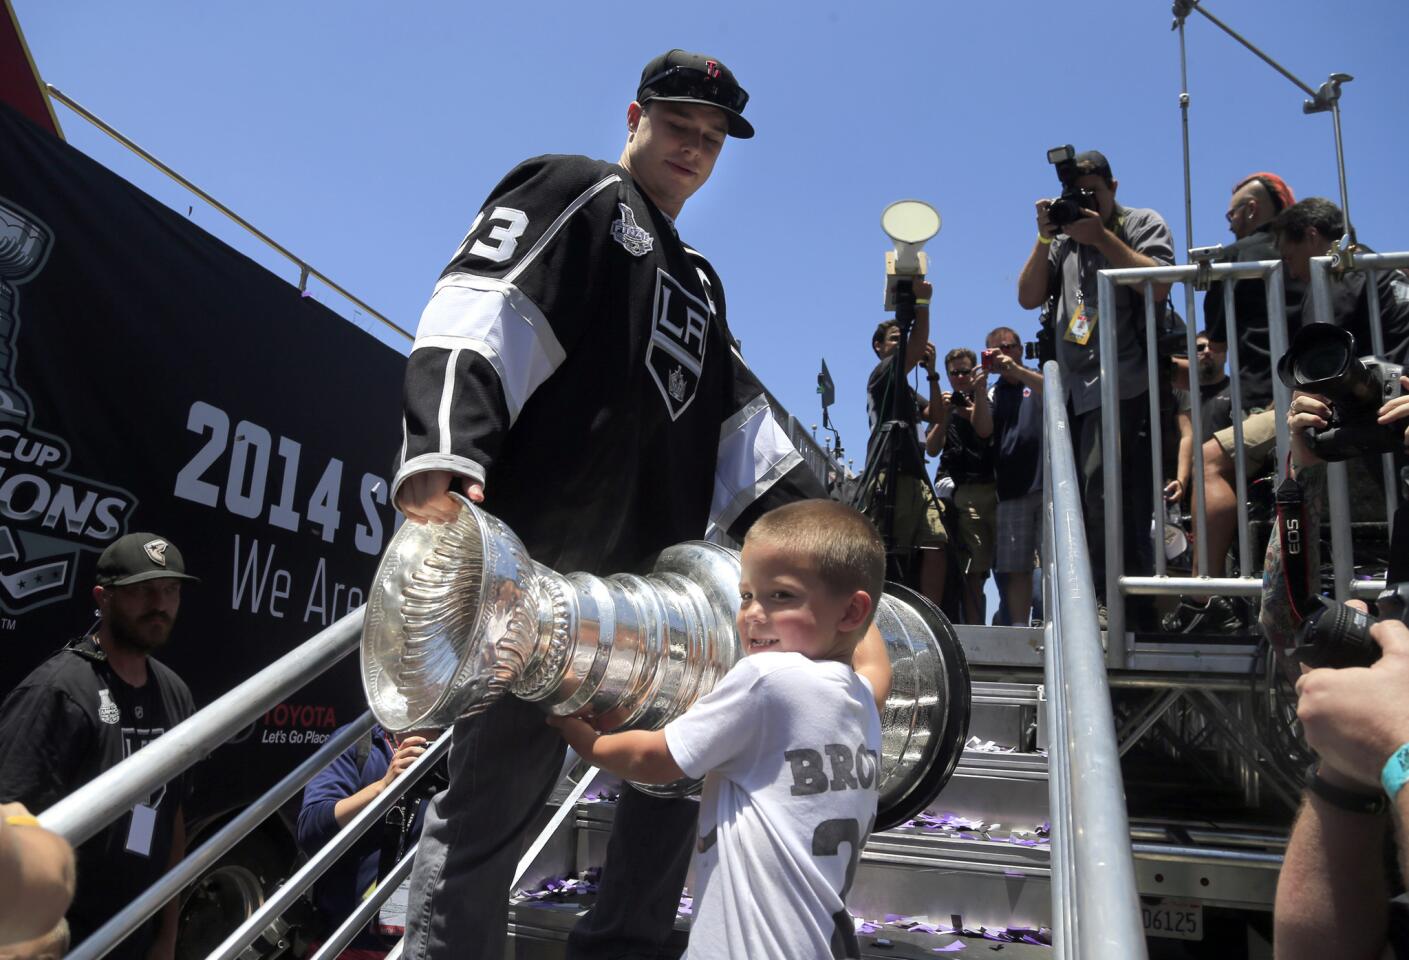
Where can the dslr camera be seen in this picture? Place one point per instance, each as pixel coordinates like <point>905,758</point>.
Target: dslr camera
<point>1322,360</point>
<point>1069,206</point>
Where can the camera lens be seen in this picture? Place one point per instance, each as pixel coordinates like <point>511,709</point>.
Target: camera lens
<point>1337,636</point>
<point>1321,364</point>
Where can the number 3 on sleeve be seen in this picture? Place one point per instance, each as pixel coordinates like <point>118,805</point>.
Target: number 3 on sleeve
<point>503,239</point>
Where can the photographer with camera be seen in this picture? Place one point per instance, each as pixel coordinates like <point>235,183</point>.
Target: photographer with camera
<point>332,798</point>
<point>1306,229</point>
<point>1079,234</point>
<point>917,523</point>
<point>1016,399</point>
<point>966,459</point>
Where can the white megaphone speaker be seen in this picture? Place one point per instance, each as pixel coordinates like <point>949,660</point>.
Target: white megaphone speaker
<point>909,224</point>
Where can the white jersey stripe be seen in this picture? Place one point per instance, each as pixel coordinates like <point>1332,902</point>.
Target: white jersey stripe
<point>754,454</point>
<point>556,225</point>
<point>447,398</point>
<point>496,320</point>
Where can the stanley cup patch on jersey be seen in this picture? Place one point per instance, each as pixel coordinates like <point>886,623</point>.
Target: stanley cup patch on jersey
<point>107,710</point>
<point>676,354</point>
<point>635,238</point>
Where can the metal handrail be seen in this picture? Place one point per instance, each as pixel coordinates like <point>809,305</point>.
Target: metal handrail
<point>327,855</point>
<point>112,793</point>
<point>193,864</point>
<point>1095,903</point>
<point>305,269</point>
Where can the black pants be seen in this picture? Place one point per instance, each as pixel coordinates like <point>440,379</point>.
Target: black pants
<point>1136,491</point>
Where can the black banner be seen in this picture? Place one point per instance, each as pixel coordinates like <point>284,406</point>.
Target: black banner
<point>153,378</point>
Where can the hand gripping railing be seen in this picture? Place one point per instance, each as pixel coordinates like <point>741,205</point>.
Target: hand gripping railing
<point>111,794</point>
<point>1337,491</point>
<point>1095,904</point>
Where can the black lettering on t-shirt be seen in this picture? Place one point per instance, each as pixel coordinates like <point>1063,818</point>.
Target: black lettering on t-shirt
<point>840,756</point>
<point>865,766</point>
<point>808,776</point>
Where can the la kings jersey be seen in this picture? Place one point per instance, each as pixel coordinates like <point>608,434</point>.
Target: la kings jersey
<point>574,357</point>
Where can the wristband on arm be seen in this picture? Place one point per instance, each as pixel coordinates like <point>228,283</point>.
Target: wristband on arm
<point>1396,772</point>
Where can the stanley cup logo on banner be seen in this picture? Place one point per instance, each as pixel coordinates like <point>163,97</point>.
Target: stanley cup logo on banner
<point>459,616</point>
<point>47,515</point>
<point>24,245</point>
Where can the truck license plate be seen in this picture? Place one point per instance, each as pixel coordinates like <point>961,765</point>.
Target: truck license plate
<point>1174,919</point>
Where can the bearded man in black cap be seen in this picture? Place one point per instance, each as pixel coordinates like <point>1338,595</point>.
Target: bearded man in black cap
<point>88,707</point>
<point>1063,267</point>
<point>574,373</point>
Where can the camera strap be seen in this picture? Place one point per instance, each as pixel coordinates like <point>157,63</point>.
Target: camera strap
<point>1291,535</point>
<point>1399,547</point>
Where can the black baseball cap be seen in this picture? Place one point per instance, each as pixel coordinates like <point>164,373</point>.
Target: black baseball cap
<point>138,557</point>
<point>683,77</point>
<point>1093,161</point>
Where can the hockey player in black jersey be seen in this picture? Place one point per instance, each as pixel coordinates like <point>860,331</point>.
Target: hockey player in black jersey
<point>574,373</point>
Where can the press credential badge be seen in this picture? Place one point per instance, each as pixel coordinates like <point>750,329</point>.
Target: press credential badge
<point>139,835</point>
<point>1083,321</point>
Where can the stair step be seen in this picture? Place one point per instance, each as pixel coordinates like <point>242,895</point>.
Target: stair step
<point>1001,646</point>
<point>1009,714</point>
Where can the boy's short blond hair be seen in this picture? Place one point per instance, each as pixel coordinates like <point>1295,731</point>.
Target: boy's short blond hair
<point>838,541</point>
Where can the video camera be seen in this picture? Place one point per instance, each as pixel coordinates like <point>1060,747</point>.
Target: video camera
<point>1322,360</point>
<point>1069,206</point>
<point>1335,635</point>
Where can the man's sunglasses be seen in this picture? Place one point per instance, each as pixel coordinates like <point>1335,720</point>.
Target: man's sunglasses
<point>697,85</point>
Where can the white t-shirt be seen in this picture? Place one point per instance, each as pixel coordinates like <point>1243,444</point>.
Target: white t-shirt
<point>790,751</point>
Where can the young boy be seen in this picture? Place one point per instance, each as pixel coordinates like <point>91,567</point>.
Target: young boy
<point>788,744</point>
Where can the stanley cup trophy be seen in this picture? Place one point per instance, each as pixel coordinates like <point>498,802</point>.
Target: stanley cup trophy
<point>24,244</point>
<point>459,615</point>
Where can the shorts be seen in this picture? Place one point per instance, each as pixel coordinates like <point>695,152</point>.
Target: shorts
<point>976,509</point>
<point>919,522</point>
<point>1259,442</point>
<point>1019,533</point>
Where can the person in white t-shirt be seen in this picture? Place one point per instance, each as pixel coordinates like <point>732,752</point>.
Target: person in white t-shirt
<point>788,744</point>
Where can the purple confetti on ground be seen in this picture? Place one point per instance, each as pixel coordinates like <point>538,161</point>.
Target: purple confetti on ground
<point>954,947</point>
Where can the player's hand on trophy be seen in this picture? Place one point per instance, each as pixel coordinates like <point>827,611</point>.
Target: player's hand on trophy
<point>425,497</point>
<point>923,290</point>
<point>927,361</point>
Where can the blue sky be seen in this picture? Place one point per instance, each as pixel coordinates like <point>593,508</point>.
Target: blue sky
<point>365,135</point>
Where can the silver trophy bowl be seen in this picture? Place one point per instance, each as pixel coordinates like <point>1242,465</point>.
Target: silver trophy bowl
<point>459,614</point>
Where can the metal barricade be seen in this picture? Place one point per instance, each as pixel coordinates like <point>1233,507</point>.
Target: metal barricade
<point>1095,904</point>
<point>1248,582</point>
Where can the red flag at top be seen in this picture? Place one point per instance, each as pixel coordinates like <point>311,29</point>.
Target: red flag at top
<point>20,86</point>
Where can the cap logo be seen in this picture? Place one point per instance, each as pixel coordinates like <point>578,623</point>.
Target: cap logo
<point>156,549</point>
<point>712,69</point>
